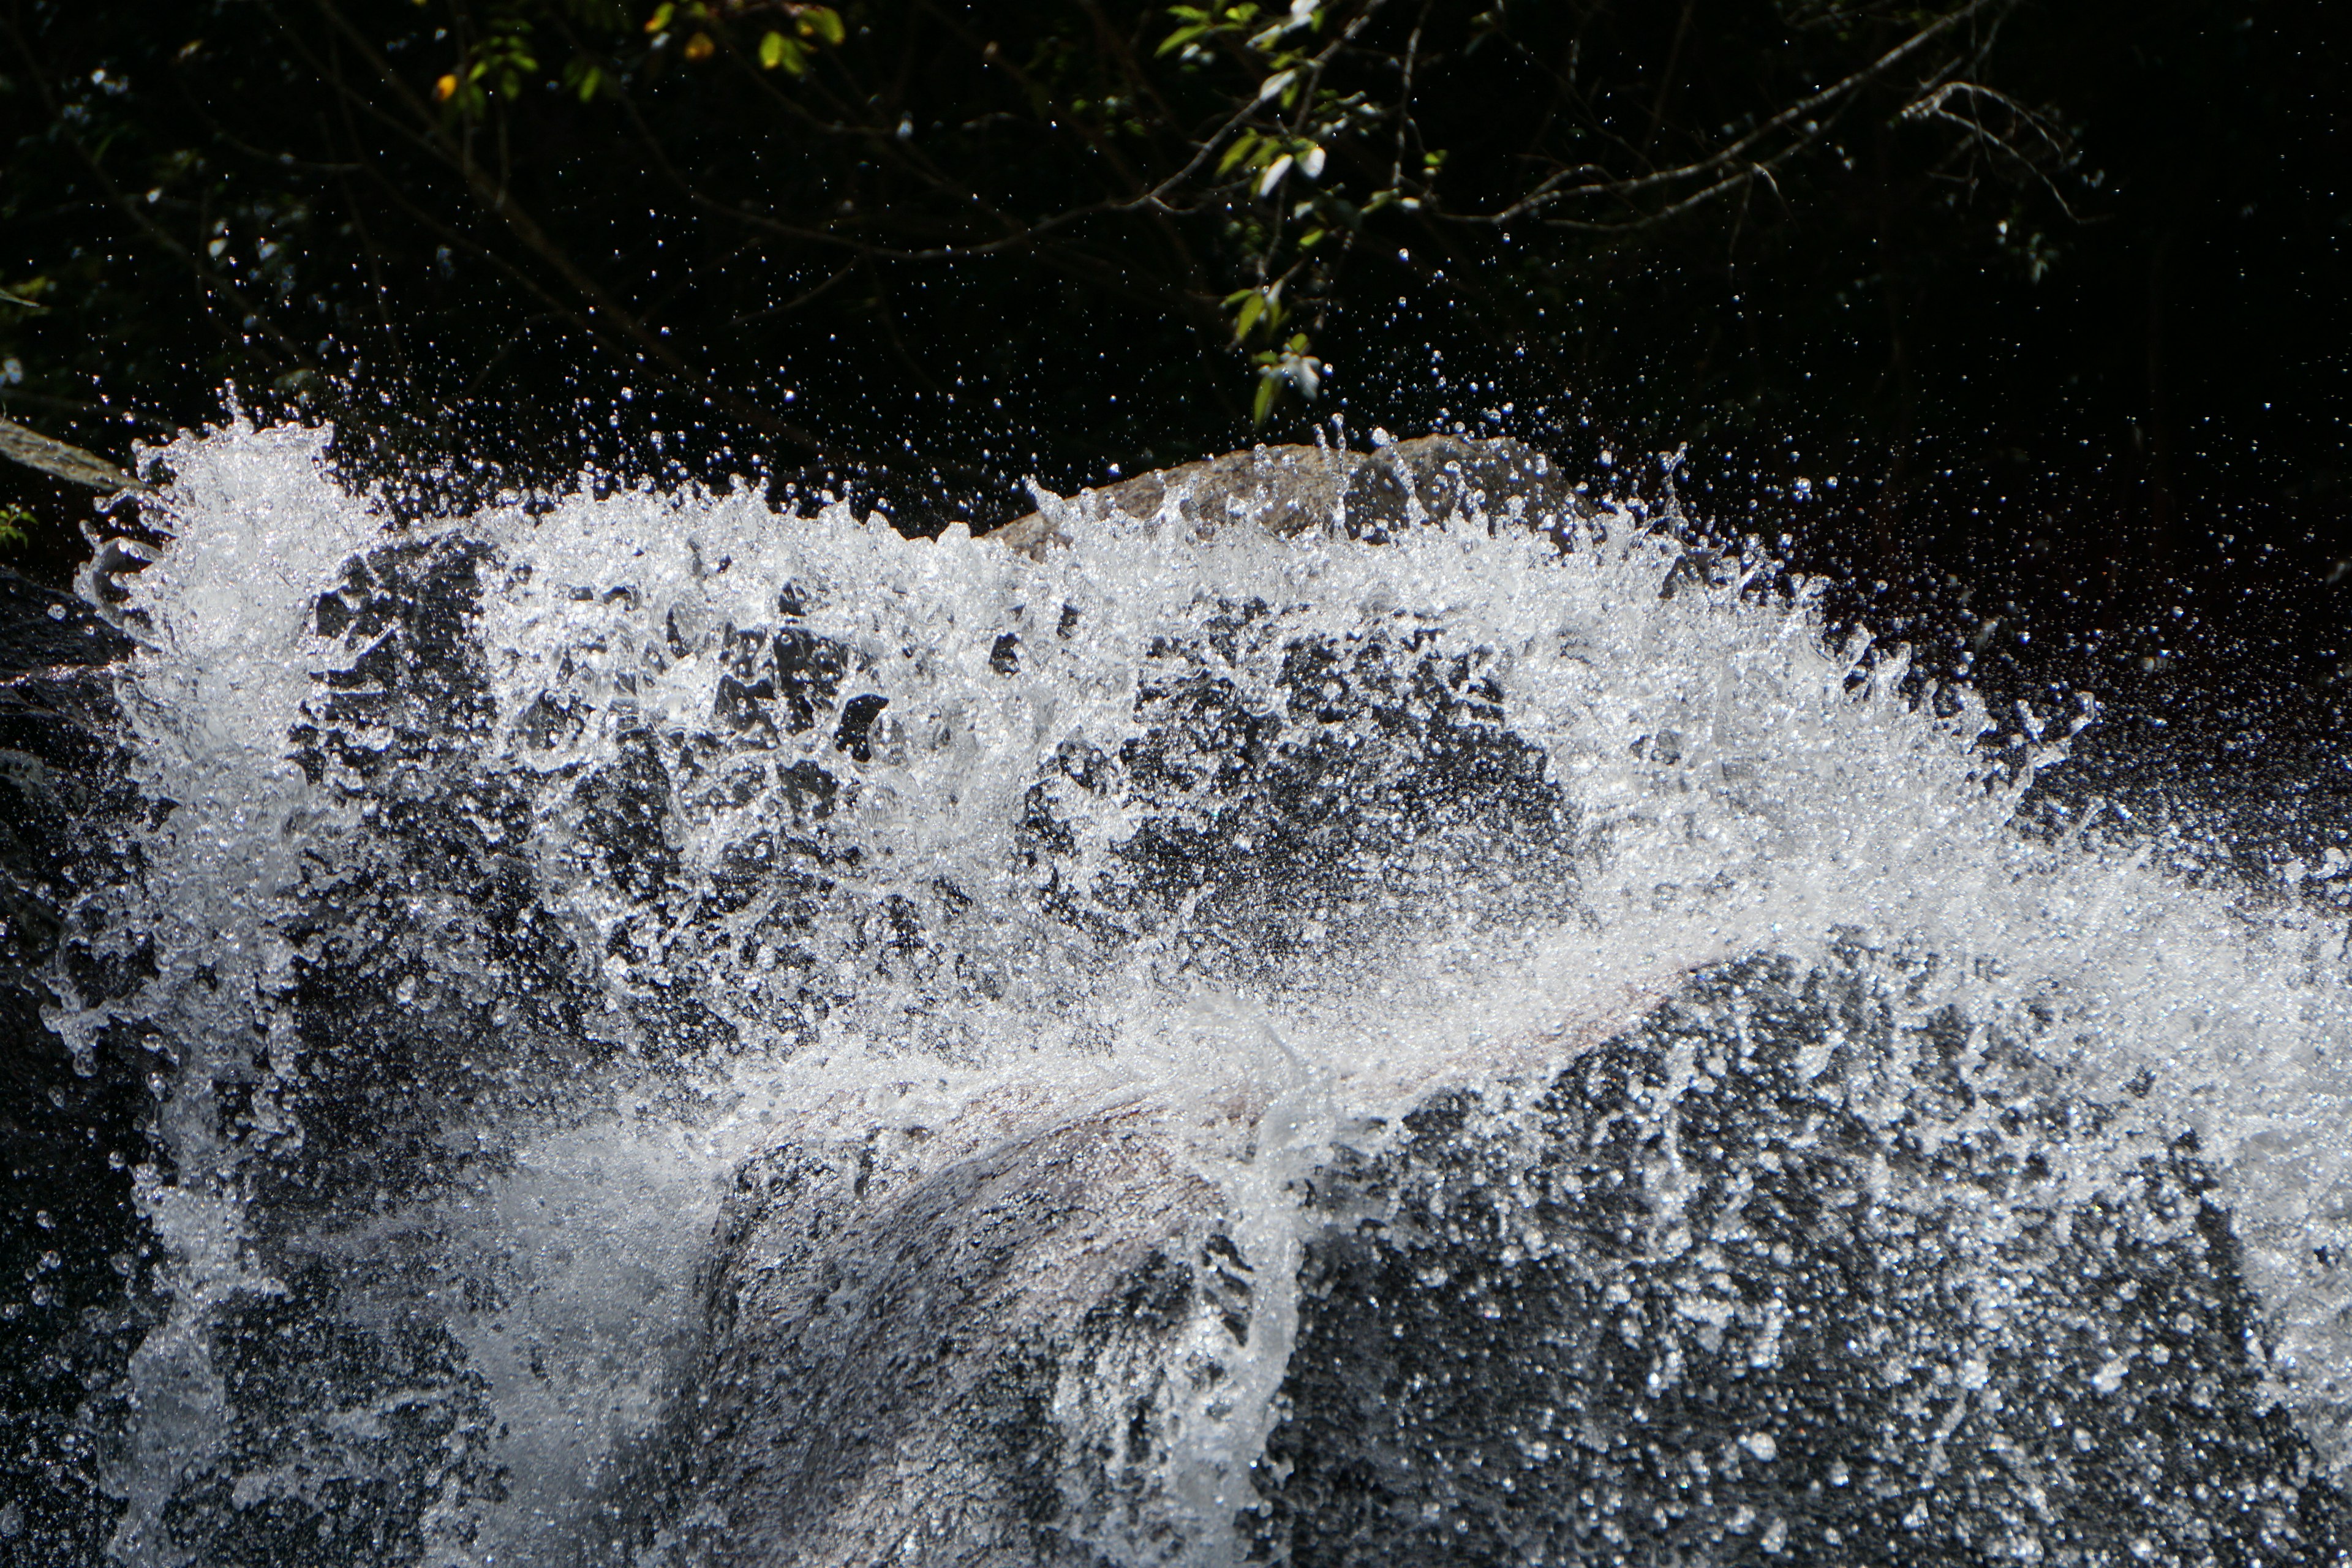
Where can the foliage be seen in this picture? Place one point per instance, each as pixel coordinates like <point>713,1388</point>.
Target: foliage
<point>1948,249</point>
<point>1224,167</point>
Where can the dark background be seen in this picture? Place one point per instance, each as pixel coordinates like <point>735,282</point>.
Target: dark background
<point>2082,389</point>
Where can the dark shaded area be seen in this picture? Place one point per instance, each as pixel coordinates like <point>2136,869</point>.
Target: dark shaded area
<point>76,1269</point>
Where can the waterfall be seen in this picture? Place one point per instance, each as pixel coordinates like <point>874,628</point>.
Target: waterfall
<point>703,1034</point>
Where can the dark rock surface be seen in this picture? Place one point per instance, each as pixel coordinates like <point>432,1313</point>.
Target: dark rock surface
<point>73,1260</point>
<point>1768,1278</point>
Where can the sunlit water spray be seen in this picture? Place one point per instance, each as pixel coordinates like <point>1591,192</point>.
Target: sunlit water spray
<point>514,885</point>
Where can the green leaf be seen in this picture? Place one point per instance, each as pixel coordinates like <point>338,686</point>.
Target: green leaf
<point>661,18</point>
<point>1179,37</point>
<point>777,49</point>
<point>1242,146</point>
<point>1310,239</point>
<point>1268,382</point>
<point>823,22</point>
<point>1252,309</point>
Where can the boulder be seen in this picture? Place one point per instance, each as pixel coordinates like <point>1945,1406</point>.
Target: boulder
<point>1772,1274</point>
<point>932,1347</point>
<point>1287,490</point>
<point>1718,1290</point>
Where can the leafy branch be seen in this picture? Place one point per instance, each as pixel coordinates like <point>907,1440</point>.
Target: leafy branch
<point>675,182</point>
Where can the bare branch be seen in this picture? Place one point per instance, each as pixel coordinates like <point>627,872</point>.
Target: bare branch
<point>21,444</point>
<point>1741,153</point>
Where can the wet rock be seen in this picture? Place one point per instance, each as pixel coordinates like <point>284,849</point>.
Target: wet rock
<point>1286,490</point>
<point>1770,1277</point>
<point>927,1348</point>
<point>1765,1275</point>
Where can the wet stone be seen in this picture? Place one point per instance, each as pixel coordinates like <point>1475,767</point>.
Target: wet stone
<point>973,1355</point>
<point>1688,1302</point>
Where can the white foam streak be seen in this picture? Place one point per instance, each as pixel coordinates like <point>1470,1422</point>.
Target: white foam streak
<point>225,663</point>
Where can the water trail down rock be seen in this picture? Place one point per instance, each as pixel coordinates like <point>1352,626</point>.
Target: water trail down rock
<point>1317,1008</point>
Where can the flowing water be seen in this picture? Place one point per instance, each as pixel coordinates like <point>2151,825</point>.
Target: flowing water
<point>1636,1089</point>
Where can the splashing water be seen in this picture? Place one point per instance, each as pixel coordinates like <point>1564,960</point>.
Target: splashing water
<point>516,885</point>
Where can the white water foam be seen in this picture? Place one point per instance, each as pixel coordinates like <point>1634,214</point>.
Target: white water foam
<point>1736,787</point>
